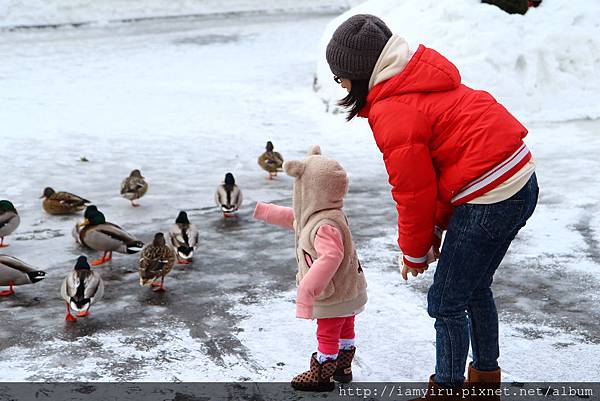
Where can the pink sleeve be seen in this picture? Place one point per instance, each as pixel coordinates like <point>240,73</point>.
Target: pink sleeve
<point>273,214</point>
<point>330,253</point>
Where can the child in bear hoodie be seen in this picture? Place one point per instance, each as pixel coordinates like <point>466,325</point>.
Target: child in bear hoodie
<point>330,280</point>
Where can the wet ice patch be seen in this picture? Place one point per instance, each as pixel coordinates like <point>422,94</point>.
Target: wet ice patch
<point>204,40</point>
<point>38,235</point>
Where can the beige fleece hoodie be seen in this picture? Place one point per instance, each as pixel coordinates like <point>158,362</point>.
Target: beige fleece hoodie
<point>320,185</point>
<point>392,60</point>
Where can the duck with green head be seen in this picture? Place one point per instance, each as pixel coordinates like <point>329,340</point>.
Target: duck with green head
<point>81,288</point>
<point>229,196</point>
<point>9,220</point>
<point>183,238</point>
<point>98,234</point>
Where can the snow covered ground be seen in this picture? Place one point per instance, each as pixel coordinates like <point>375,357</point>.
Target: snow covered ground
<point>31,13</point>
<point>187,101</point>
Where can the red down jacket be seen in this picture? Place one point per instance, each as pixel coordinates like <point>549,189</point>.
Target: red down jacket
<point>443,144</point>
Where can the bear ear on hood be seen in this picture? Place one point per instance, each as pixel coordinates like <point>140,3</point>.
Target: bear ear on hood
<point>294,168</point>
<point>314,150</point>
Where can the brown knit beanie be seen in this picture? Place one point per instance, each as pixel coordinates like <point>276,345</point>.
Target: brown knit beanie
<point>356,45</point>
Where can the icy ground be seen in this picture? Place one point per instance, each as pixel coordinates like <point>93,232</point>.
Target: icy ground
<point>186,102</point>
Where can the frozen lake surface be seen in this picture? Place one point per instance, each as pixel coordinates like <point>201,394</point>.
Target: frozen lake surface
<point>187,101</point>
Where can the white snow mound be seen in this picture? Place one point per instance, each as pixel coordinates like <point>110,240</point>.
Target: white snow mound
<point>543,66</point>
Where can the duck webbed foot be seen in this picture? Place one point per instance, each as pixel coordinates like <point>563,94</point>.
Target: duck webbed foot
<point>8,292</point>
<point>158,287</point>
<point>183,261</point>
<point>105,258</point>
<point>69,317</point>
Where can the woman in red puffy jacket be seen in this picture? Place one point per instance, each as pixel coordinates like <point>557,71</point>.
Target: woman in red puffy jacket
<point>457,162</point>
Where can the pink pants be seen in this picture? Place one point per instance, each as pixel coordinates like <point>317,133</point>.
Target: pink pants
<point>331,330</point>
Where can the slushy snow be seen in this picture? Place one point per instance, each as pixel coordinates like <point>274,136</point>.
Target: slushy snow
<point>542,66</point>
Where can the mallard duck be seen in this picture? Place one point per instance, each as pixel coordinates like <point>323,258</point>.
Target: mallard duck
<point>271,161</point>
<point>183,237</point>
<point>229,196</point>
<point>62,202</point>
<point>134,187</point>
<point>16,272</point>
<point>9,220</point>
<point>156,261</point>
<point>81,288</point>
<point>97,234</point>
<point>89,212</point>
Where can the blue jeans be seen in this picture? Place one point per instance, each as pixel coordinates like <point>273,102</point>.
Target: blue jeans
<point>460,298</point>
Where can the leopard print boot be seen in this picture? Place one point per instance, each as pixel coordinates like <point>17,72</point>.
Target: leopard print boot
<point>343,370</point>
<point>318,378</point>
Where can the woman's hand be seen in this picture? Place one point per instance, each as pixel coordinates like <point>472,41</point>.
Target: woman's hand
<point>432,256</point>
<point>415,271</point>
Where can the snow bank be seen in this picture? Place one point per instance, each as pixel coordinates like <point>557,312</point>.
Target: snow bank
<point>543,66</point>
<point>57,12</point>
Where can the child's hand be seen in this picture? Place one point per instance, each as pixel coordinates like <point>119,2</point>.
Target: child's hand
<point>303,311</point>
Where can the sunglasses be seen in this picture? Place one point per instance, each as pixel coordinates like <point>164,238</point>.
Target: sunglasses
<point>337,79</point>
